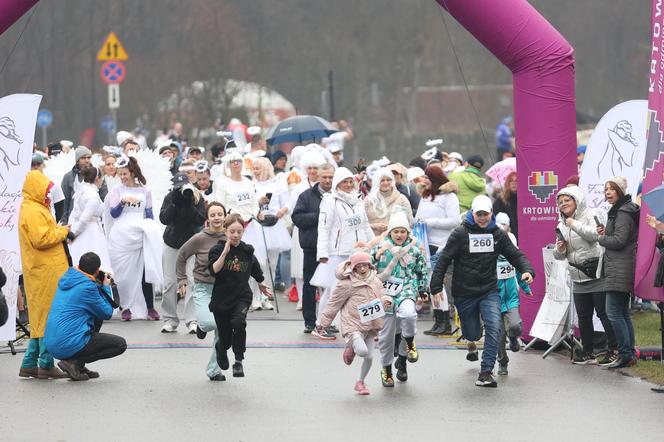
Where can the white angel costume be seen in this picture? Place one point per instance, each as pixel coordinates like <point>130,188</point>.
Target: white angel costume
<point>86,224</point>
<point>134,246</point>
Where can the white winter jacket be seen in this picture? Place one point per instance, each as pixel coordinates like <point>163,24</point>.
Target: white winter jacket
<point>340,226</point>
<point>581,237</point>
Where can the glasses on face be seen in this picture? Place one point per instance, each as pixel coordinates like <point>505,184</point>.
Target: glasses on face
<point>362,265</point>
<point>563,202</point>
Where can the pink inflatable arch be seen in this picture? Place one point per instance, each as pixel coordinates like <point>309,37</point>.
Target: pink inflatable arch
<point>542,62</point>
<point>544,109</point>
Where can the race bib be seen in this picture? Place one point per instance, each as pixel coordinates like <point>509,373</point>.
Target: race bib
<point>393,286</point>
<point>480,243</point>
<point>505,270</point>
<point>353,222</point>
<point>135,206</point>
<point>242,198</point>
<point>370,311</point>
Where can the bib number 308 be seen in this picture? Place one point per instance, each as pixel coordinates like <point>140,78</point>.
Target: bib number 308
<point>370,311</point>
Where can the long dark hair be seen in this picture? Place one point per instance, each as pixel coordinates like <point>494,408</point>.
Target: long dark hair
<point>135,170</point>
<point>437,178</point>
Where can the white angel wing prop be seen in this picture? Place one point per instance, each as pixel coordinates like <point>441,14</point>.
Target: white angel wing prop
<point>57,166</point>
<point>156,171</point>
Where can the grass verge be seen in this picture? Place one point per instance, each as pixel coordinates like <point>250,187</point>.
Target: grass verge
<point>647,334</point>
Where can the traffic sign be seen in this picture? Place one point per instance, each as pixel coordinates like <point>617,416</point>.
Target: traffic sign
<point>44,118</point>
<point>108,124</point>
<point>112,72</point>
<point>113,96</point>
<point>112,49</point>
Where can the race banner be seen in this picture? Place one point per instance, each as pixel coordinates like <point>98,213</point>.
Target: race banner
<point>18,117</point>
<point>647,257</point>
<point>617,147</point>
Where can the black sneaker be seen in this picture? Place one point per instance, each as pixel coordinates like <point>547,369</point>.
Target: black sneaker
<point>309,328</point>
<point>583,358</point>
<point>200,334</point>
<point>332,329</point>
<point>91,374</point>
<point>618,363</point>
<point>514,344</point>
<point>400,365</point>
<point>473,354</point>
<point>222,359</point>
<point>485,379</point>
<point>238,371</point>
<point>607,358</point>
<point>502,370</point>
<point>218,377</point>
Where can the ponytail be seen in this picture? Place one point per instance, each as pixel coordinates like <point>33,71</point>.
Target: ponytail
<point>135,170</point>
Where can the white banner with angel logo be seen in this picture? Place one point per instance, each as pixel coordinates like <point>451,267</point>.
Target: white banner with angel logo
<point>617,147</point>
<point>18,116</point>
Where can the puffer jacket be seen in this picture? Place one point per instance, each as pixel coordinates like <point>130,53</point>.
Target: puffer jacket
<point>349,293</point>
<point>619,239</point>
<point>581,237</point>
<point>471,183</point>
<point>475,272</point>
<point>340,224</point>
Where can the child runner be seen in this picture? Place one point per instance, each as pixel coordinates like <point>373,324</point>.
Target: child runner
<point>358,294</point>
<point>199,245</point>
<point>403,270</point>
<point>509,300</point>
<point>232,262</point>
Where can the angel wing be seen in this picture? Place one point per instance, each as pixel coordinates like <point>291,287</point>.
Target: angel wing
<point>56,167</point>
<point>156,171</point>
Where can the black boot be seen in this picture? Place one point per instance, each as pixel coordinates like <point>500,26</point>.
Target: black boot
<point>447,327</point>
<point>397,342</point>
<point>434,330</point>
<point>400,365</point>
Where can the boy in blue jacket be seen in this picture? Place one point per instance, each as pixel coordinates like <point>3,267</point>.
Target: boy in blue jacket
<point>72,329</point>
<point>508,278</point>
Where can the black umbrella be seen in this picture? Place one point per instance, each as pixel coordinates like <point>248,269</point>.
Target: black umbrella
<point>299,128</point>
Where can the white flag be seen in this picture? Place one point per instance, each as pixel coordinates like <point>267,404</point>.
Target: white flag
<point>617,147</point>
<point>18,117</point>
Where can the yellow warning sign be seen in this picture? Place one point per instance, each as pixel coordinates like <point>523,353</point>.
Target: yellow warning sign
<point>112,49</point>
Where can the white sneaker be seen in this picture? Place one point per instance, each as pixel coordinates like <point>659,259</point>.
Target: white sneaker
<point>256,305</point>
<point>299,306</point>
<point>192,327</point>
<point>267,305</point>
<point>169,328</point>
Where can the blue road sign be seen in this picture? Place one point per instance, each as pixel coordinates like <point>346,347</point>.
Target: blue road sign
<point>107,124</point>
<point>44,118</point>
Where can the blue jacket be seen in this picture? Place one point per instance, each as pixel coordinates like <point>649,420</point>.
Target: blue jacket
<point>509,292</point>
<point>71,321</point>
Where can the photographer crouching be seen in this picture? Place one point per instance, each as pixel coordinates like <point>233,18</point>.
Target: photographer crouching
<point>80,305</point>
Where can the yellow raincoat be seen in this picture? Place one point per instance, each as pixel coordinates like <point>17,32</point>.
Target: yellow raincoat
<point>42,253</point>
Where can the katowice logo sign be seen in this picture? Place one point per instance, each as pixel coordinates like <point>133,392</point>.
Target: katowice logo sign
<point>542,185</point>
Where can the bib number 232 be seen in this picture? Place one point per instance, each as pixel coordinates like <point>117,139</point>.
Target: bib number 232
<point>370,311</point>
<point>480,243</point>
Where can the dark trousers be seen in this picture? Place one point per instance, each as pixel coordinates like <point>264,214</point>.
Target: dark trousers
<point>232,329</point>
<point>585,303</point>
<point>309,295</point>
<point>101,346</point>
<point>147,292</point>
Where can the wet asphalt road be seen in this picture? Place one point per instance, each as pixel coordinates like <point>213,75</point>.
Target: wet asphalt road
<point>298,389</point>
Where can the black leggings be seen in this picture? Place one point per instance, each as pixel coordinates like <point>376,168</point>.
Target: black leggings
<point>147,292</point>
<point>585,303</point>
<point>232,327</point>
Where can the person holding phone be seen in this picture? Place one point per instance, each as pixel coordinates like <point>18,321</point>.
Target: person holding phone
<point>577,241</point>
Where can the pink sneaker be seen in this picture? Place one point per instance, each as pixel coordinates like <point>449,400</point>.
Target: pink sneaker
<point>361,388</point>
<point>126,315</point>
<point>349,355</point>
<point>153,315</point>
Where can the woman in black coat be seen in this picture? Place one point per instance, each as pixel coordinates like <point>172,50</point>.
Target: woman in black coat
<point>506,202</point>
<point>619,239</point>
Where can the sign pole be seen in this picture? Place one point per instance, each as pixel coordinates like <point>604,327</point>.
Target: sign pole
<point>44,137</point>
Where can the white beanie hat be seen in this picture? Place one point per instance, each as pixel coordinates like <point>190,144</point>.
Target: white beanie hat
<point>311,159</point>
<point>621,182</point>
<point>398,220</point>
<point>414,173</point>
<point>123,136</point>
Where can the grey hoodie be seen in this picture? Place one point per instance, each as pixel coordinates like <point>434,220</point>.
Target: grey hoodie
<point>199,245</point>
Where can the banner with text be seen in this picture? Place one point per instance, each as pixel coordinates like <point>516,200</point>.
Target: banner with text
<point>18,117</point>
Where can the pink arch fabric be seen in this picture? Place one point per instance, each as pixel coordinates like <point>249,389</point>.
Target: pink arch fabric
<point>12,10</point>
<point>542,63</point>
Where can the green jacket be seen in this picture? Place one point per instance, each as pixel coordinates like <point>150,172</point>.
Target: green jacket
<point>402,269</point>
<point>471,183</point>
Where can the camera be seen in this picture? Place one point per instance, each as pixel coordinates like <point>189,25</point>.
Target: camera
<point>188,191</point>
<point>115,301</point>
